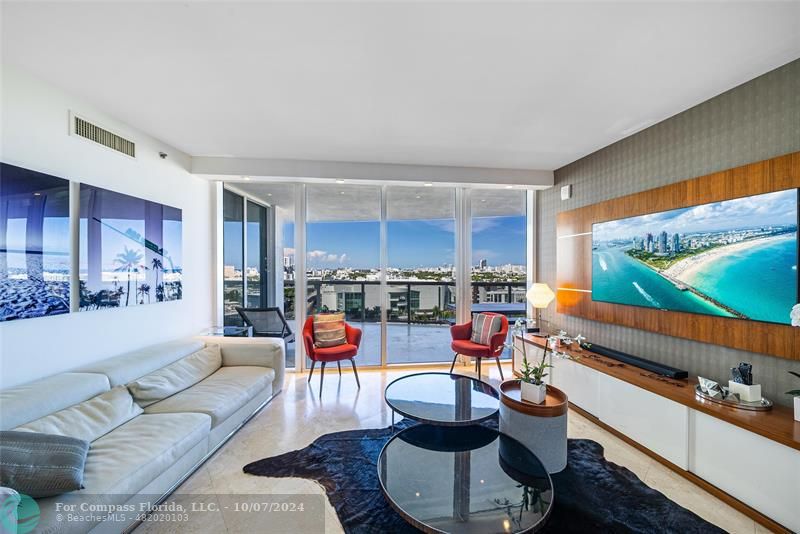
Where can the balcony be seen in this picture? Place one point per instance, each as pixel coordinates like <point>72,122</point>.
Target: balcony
<point>418,319</point>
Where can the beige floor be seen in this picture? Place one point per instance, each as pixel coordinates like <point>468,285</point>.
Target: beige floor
<point>297,416</point>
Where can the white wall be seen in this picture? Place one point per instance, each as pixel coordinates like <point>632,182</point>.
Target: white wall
<point>35,135</point>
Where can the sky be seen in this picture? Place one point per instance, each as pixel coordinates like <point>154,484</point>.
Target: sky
<point>776,208</point>
<point>413,244</point>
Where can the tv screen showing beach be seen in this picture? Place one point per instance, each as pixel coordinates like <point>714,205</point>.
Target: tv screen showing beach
<point>736,258</point>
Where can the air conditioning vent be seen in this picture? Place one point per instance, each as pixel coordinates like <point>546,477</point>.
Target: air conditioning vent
<point>102,136</point>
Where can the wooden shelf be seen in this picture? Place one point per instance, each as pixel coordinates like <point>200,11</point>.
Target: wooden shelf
<point>777,424</point>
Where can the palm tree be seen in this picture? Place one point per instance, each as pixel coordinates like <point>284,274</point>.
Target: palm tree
<point>144,289</point>
<point>128,260</point>
<point>157,267</point>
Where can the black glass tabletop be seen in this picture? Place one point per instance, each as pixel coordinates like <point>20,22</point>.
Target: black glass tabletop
<point>464,479</point>
<point>442,398</point>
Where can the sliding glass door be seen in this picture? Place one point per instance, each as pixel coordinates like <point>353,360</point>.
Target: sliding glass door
<point>233,256</point>
<point>420,276</point>
<point>343,259</point>
<point>246,255</point>
<point>499,252</point>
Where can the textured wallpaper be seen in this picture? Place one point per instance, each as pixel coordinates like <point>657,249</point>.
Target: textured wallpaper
<point>757,120</point>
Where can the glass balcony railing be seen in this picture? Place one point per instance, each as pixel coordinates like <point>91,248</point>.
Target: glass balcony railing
<point>419,313</point>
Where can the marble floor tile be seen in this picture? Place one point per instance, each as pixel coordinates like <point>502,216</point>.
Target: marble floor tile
<point>300,414</point>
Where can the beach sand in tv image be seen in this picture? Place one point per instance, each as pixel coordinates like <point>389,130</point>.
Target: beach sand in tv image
<point>735,258</point>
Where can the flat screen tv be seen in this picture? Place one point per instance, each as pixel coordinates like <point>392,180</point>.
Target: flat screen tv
<point>735,258</point>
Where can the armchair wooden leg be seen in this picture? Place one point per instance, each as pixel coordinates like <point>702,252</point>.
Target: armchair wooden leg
<point>497,359</point>
<point>355,372</point>
<point>311,372</point>
<point>454,363</point>
<point>339,365</point>
<point>321,376</point>
<point>479,368</point>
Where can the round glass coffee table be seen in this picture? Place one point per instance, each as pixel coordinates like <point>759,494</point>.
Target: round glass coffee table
<point>442,399</point>
<point>464,479</point>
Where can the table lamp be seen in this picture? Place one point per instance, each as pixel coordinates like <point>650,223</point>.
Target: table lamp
<point>540,296</point>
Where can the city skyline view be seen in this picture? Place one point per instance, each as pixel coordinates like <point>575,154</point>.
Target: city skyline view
<point>778,208</point>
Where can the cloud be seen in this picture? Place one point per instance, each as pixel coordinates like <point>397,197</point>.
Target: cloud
<point>323,256</point>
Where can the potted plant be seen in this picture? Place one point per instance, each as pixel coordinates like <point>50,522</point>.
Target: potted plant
<point>796,394</point>
<point>532,387</point>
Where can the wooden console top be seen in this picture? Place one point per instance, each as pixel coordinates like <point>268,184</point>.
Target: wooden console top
<point>777,424</point>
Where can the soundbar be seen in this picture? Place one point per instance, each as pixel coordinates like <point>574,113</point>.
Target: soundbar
<point>664,370</point>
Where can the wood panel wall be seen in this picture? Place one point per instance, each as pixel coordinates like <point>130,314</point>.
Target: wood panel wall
<point>574,261</point>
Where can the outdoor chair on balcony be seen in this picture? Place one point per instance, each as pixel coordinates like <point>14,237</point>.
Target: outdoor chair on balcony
<point>325,354</point>
<point>464,343</point>
<point>266,322</point>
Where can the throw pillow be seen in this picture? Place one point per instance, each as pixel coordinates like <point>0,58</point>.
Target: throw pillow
<point>176,377</point>
<point>329,330</point>
<point>89,419</point>
<point>484,326</point>
<point>41,465</point>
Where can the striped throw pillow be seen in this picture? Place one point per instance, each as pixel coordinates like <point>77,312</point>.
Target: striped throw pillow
<point>483,326</point>
<point>329,330</point>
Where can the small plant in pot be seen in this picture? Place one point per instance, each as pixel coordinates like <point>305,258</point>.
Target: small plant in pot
<point>532,386</point>
<point>796,394</point>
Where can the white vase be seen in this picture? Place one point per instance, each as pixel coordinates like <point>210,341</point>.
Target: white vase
<point>797,408</point>
<point>532,392</point>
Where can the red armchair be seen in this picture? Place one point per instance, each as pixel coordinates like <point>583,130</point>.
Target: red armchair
<point>461,344</point>
<point>336,354</point>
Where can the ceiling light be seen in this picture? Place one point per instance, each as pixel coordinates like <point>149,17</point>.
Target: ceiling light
<point>339,181</point>
<point>341,192</point>
<point>269,194</point>
<point>483,200</point>
<point>37,194</point>
<point>428,184</point>
<point>419,196</point>
<point>509,186</point>
<point>247,178</point>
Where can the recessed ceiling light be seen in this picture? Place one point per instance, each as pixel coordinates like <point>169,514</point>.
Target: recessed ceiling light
<point>419,196</point>
<point>37,194</point>
<point>483,200</point>
<point>339,181</point>
<point>269,194</point>
<point>341,192</point>
<point>246,178</point>
<point>509,186</point>
<point>428,184</point>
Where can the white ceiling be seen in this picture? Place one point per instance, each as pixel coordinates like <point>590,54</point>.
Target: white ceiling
<point>517,85</point>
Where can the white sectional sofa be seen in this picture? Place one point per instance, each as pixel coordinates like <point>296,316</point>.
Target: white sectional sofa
<point>150,447</point>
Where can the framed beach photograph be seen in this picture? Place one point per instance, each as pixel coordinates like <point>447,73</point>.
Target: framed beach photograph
<point>734,258</point>
<point>34,244</point>
<point>130,250</point>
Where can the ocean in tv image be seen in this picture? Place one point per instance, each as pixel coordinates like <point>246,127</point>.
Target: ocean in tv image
<point>34,244</point>
<point>736,258</point>
<point>130,250</point>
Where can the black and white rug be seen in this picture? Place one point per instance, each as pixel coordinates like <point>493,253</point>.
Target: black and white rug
<point>592,494</point>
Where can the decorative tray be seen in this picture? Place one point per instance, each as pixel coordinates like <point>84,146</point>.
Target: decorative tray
<point>734,402</point>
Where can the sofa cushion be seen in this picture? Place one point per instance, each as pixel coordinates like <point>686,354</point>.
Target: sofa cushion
<point>128,458</point>
<point>28,402</point>
<point>41,465</point>
<point>219,395</point>
<point>177,376</point>
<point>89,419</point>
<point>135,364</point>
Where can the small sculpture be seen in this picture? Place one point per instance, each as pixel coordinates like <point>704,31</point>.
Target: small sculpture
<point>743,374</point>
<point>709,387</point>
<point>579,339</point>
